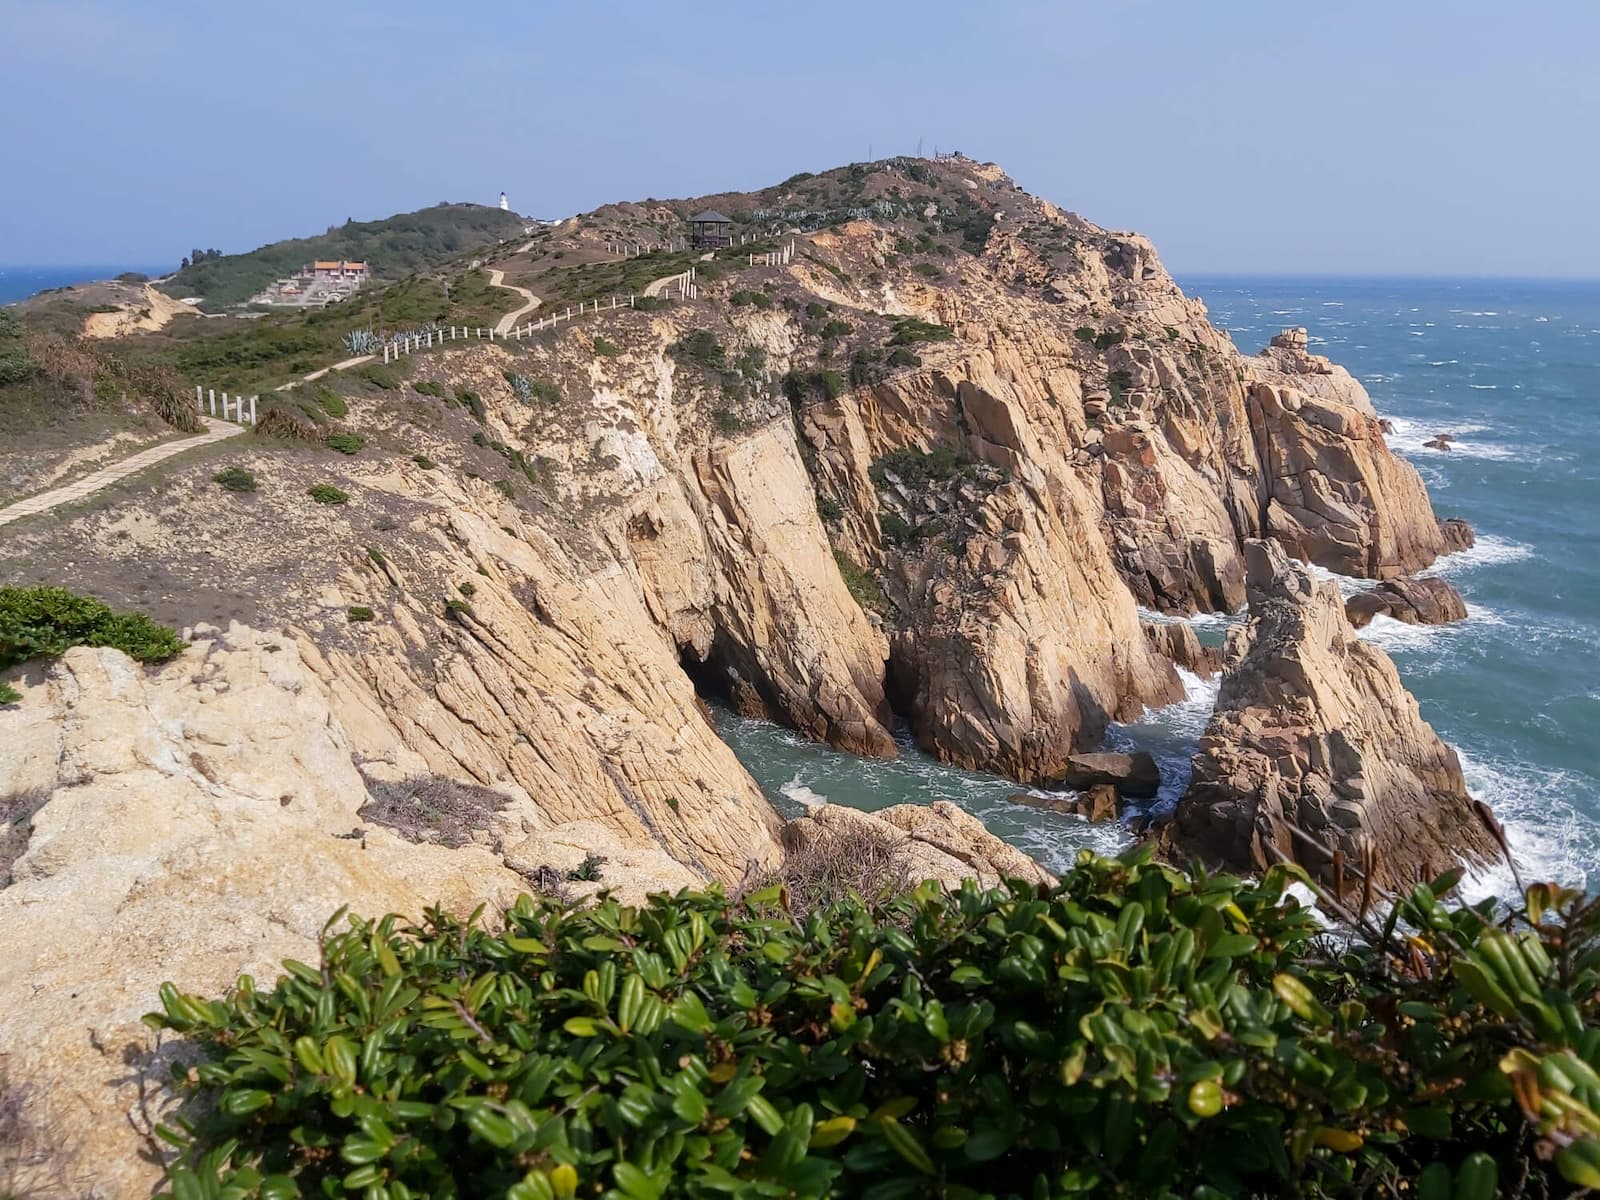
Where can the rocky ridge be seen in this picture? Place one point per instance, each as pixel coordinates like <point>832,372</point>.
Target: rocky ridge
<point>932,472</point>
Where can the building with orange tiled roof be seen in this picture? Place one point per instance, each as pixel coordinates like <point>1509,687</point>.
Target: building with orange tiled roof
<point>340,270</point>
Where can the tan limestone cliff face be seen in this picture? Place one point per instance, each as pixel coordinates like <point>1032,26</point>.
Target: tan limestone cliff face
<point>788,621</point>
<point>148,311</point>
<point>1020,646</point>
<point>1337,496</point>
<point>1316,748</point>
<point>193,832</point>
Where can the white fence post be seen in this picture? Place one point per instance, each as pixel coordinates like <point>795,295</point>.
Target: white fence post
<point>253,409</point>
<point>199,399</point>
<point>212,396</point>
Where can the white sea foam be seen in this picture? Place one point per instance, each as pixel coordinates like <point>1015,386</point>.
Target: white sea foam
<point>1550,838</point>
<point>801,794</point>
<point>1489,550</point>
<point>1411,438</point>
<point>1390,635</point>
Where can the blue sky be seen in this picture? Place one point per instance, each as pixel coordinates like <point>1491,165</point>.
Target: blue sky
<point>1403,137</point>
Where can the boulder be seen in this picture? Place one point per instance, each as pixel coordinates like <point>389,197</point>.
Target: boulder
<point>1133,774</point>
<point>1098,802</point>
<point>1457,534</point>
<point>1425,601</point>
<point>1176,640</point>
<point>1439,441</point>
<point>1316,753</point>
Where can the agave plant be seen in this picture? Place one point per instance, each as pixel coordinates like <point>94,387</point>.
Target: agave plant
<point>361,341</point>
<point>521,386</point>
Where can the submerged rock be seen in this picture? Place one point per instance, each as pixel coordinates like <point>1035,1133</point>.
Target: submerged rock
<point>1426,601</point>
<point>1317,754</point>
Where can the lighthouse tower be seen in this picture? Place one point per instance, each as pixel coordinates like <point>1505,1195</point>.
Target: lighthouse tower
<point>505,205</point>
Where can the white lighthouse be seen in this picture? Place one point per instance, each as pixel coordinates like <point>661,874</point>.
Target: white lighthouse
<point>505,205</point>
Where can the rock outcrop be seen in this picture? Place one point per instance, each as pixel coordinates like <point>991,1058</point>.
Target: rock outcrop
<point>1134,775</point>
<point>930,841</point>
<point>1427,600</point>
<point>1178,642</point>
<point>1316,753</point>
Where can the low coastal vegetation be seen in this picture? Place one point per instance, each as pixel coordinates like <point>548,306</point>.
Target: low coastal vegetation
<point>1135,1031</point>
<point>395,246</point>
<point>45,622</point>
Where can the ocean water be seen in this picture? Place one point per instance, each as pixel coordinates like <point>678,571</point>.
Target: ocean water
<point>18,283</point>
<point>1512,369</point>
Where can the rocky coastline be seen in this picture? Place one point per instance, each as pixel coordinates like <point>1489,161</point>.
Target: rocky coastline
<point>963,540</point>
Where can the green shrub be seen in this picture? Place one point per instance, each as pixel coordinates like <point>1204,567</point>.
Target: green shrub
<point>430,387</point>
<point>472,402</point>
<point>917,469</point>
<point>359,612</point>
<point>816,311</point>
<point>928,270</point>
<point>235,479</point>
<point>605,347</point>
<point>862,585</point>
<point>529,388</point>
<point>910,330</point>
<point>648,303</point>
<point>456,609</point>
<point>379,376</point>
<point>331,402</point>
<point>344,443</point>
<point>423,461</point>
<point>1132,1032</point>
<point>727,421</point>
<point>1084,334</point>
<point>902,357</point>
<point>588,871</point>
<point>326,493</point>
<point>701,347</point>
<point>834,329</point>
<point>896,530</point>
<point>9,694</point>
<point>1108,338</point>
<point>745,297</point>
<point>504,487</point>
<point>44,622</point>
<point>828,508</point>
<point>468,588</point>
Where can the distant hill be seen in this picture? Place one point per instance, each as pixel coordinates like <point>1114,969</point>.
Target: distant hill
<point>393,248</point>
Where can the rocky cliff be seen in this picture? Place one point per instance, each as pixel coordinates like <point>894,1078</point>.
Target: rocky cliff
<point>1317,754</point>
<point>928,468</point>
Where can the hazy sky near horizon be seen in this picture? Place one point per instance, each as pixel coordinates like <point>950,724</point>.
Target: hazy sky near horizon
<point>1452,137</point>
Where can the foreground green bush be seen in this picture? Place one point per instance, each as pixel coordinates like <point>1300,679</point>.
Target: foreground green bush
<point>43,622</point>
<point>1134,1033</point>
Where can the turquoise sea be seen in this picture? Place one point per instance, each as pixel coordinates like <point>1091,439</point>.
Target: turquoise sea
<point>1512,369</point>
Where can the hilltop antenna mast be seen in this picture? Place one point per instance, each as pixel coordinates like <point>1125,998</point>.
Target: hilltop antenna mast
<point>919,147</point>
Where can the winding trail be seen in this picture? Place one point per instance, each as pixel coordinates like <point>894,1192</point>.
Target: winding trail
<point>509,321</point>
<point>216,431</point>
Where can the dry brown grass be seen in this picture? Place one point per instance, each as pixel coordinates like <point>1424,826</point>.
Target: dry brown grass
<point>836,862</point>
<point>30,1152</point>
<point>432,808</point>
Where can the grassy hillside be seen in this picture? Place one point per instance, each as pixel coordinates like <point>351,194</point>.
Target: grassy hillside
<point>394,247</point>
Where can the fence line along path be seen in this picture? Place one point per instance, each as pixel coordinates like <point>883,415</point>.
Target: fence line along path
<point>216,431</point>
